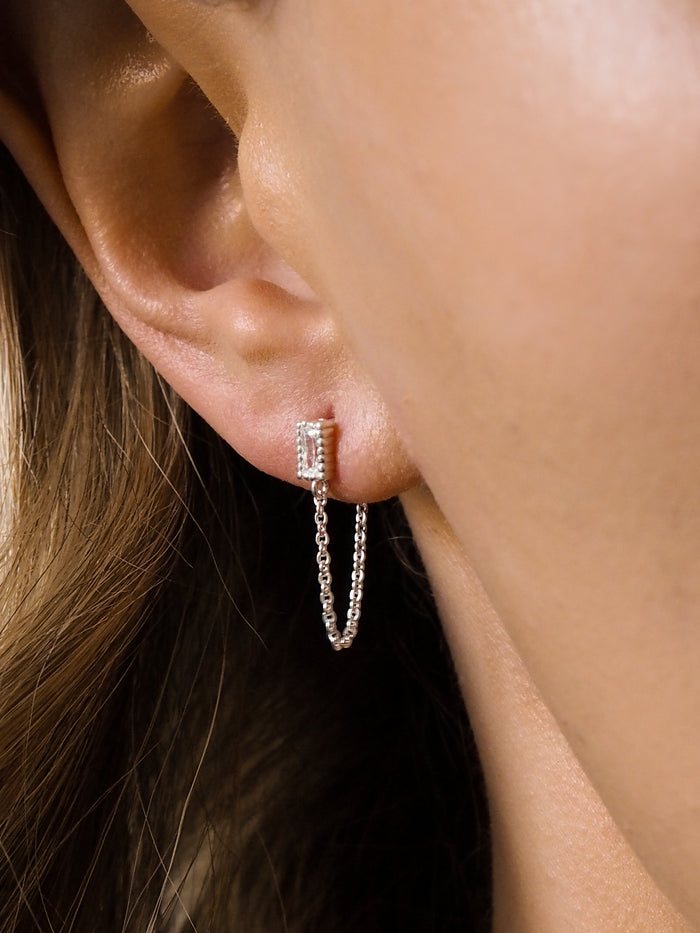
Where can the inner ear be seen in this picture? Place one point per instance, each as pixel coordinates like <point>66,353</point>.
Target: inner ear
<point>151,168</point>
<point>114,135</point>
<point>172,203</point>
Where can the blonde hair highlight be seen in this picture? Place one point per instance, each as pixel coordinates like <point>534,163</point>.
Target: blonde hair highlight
<point>91,465</point>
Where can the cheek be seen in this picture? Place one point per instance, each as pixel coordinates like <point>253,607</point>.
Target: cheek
<point>489,193</point>
<point>508,229</point>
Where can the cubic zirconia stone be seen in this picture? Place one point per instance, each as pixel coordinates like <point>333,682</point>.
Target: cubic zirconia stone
<point>315,449</point>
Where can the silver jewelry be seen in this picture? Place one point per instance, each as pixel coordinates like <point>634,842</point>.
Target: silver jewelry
<point>316,463</point>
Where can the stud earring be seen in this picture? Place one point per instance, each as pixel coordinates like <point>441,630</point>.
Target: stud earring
<point>316,454</point>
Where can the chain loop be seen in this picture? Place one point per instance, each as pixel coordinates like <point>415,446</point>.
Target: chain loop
<point>338,640</point>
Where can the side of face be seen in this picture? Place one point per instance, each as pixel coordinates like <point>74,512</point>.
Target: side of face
<point>488,217</point>
<point>502,209</point>
<point>502,213</point>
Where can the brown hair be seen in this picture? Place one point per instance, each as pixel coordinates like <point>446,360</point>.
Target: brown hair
<point>179,747</point>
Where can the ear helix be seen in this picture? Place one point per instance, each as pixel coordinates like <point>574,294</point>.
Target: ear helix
<point>316,453</point>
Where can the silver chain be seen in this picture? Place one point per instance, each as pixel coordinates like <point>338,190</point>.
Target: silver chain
<point>339,641</point>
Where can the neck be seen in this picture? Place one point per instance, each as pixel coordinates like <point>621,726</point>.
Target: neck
<point>559,861</point>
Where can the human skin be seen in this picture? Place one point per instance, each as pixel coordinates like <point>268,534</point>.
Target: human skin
<point>501,209</point>
<point>559,860</point>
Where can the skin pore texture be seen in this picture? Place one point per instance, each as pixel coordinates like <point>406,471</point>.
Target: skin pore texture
<point>480,224</point>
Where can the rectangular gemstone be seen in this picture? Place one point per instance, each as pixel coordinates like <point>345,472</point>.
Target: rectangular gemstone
<point>316,449</point>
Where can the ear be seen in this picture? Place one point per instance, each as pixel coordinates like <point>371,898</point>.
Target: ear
<point>142,176</point>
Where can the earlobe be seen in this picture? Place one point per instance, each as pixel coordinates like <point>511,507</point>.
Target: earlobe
<point>141,174</point>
